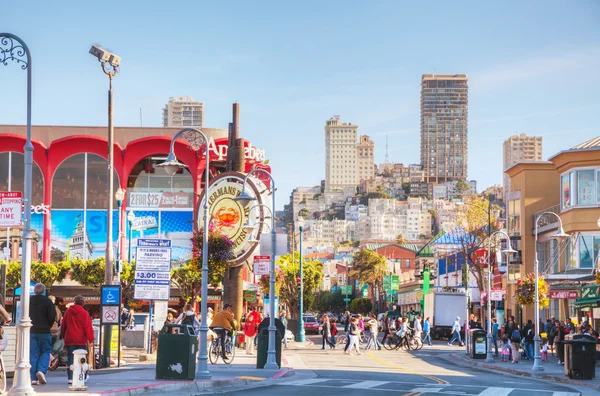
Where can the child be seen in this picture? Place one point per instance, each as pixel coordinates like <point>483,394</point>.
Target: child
<point>545,351</point>
<point>505,349</point>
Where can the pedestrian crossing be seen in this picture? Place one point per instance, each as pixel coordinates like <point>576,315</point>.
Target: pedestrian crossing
<point>423,388</point>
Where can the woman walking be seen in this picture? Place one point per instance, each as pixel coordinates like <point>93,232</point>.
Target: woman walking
<point>250,330</point>
<point>372,333</point>
<point>354,332</point>
<point>326,332</point>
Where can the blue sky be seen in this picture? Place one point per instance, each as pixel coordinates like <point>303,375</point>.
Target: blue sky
<point>533,67</point>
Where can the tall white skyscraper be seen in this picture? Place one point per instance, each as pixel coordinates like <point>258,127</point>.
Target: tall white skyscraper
<point>519,148</point>
<point>183,111</point>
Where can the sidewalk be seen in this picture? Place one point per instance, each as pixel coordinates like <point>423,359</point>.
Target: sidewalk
<point>552,370</point>
<point>139,378</point>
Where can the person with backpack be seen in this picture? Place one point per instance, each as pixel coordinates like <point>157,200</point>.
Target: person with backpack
<point>515,341</point>
<point>188,317</point>
<point>333,332</point>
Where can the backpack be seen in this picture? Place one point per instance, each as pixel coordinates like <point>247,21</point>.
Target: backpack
<point>515,335</point>
<point>188,320</point>
<point>333,329</point>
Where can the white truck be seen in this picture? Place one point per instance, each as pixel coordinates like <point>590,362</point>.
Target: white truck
<point>442,308</point>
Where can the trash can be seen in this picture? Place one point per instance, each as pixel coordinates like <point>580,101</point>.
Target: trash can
<point>477,343</point>
<point>580,356</point>
<point>176,355</point>
<point>262,347</point>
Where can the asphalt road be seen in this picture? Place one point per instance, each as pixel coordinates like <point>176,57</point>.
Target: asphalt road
<point>421,373</point>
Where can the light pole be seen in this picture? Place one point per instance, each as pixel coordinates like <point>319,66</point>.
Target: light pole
<point>559,236</point>
<point>196,138</point>
<point>130,219</point>
<point>244,198</point>
<point>119,196</point>
<point>110,66</point>
<point>13,49</point>
<point>508,251</point>
<point>301,332</point>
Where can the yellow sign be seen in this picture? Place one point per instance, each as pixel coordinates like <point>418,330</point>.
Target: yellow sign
<point>114,341</point>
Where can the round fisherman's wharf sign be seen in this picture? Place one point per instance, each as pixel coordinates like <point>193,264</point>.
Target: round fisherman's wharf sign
<point>228,216</point>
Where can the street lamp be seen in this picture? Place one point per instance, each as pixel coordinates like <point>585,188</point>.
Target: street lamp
<point>12,48</point>
<point>301,332</point>
<point>507,251</point>
<point>196,138</point>
<point>110,66</point>
<point>119,196</point>
<point>130,219</point>
<point>244,198</point>
<point>559,236</point>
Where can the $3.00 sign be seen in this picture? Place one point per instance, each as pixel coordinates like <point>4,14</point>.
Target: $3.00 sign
<point>152,269</point>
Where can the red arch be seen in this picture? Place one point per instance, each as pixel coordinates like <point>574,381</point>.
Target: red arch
<point>16,143</point>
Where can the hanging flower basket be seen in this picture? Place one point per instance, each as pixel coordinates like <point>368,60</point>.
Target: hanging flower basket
<point>220,253</point>
<point>525,293</point>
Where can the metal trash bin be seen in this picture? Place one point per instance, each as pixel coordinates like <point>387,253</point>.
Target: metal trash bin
<point>262,347</point>
<point>580,356</point>
<point>477,344</point>
<point>176,355</point>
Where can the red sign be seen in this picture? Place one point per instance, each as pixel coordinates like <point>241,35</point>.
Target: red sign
<point>480,257</point>
<point>261,265</point>
<point>563,294</point>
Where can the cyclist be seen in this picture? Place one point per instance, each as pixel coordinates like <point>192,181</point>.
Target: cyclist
<point>223,324</point>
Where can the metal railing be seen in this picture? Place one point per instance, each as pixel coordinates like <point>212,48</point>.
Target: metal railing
<point>546,221</point>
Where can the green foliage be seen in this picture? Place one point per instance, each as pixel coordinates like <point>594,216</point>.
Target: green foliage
<point>220,252</point>
<point>374,195</point>
<point>369,268</point>
<point>127,279</point>
<point>44,273</point>
<point>188,279</point>
<point>286,284</point>
<point>89,273</point>
<point>330,301</point>
<point>400,239</point>
<point>56,255</point>
<point>303,213</point>
<point>361,305</point>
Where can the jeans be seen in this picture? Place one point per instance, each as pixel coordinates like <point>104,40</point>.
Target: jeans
<point>427,337</point>
<point>222,333</point>
<point>70,349</point>
<point>40,349</point>
<point>326,341</point>
<point>529,349</point>
<point>455,336</point>
<point>495,341</point>
<point>333,340</point>
<point>514,347</point>
<point>372,340</point>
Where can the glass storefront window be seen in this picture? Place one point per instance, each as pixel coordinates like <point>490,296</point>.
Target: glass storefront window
<point>565,191</point>
<point>12,176</point>
<point>585,187</point>
<point>514,273</point>
<point>586,252</point>
<point>598,186</point>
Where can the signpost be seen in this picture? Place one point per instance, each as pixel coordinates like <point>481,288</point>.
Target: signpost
<point>152,274</point>
<point>261,265</point>
<point>10,208</point>
<point>110,313</point>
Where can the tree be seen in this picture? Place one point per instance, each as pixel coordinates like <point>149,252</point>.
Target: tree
<point>303,213</point>
<point>46,273</point>
<point>369,268</point>
<point>220,252</point>
<point>286,281</point>
<point>56,255</point>
<point>462,188</point>
<point>89,273</point>
<point>361,305</point>
<point>127,280</point>
<point>330,301</point>
<point>400,239</point>
<point>189,281</point>
<point>374,195</point>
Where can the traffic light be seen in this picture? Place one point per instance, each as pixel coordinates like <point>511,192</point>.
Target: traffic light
<point>299,284</point>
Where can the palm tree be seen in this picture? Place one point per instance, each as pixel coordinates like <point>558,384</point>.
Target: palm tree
<point>369,268</point>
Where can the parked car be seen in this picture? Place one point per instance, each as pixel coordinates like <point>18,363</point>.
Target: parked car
<point>311,325</point>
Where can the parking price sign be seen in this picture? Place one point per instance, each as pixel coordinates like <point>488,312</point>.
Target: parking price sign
<point>10,208</point>
<point>152,269</point>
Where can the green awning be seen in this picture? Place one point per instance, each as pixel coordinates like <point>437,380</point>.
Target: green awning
<point>590,295</point>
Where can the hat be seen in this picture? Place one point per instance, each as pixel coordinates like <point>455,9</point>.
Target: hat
<point>458,318</point>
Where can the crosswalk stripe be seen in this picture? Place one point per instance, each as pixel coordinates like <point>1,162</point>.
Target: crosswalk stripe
<point>496,391</point>
<point>309,381</point>
<point>565,394</point>
<point>426,390</point>
<point>366,384</point>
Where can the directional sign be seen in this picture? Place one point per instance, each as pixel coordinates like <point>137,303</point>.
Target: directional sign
<point>153,270</point>
<point>111,295</point>
<point>10,208</point>
<point>346,299</point>
<point>110,315</point>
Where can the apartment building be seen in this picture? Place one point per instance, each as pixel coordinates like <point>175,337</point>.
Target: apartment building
<point>448,190</point>
<point>444,127</point>
<point>519,148</point>
<point>183,111</point>
<point>365,154</point>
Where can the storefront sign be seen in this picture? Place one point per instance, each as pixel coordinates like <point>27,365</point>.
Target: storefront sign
<point>563,294</point>
<point>395,282</point>
<point>10,208</point>
<point>261,265</point>
<point>153,269</point>
<point>220,150</point>
<point>159,200</point>
<point>144,223</point>
<point>250,296</point>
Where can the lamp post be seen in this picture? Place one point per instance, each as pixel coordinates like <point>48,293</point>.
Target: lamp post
<point>196,138</point>
<point>119,196</point>
<point>301,332</point>
<point>508,251</point>
<point>110,66</point>
<point>244,198</point>
<point>130,219</point>
<point>560,235</point>
<point>13,49</point>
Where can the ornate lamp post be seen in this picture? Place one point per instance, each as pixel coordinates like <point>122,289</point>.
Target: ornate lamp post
<point>559,236</point>
<point>119,196</point>
<point>508,251</point>
<point>130,219</point>
<point>196,138</point>
<point>244,198</point>
<point>13,49</point>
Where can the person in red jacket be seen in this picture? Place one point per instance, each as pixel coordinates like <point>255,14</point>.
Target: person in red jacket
<point>77,331</point>
<point>250,330</point>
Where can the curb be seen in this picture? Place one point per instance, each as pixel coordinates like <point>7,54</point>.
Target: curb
<point>190,386</point>
<point>495,369</point>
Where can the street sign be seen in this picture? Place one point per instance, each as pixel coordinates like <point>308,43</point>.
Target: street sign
<point>261,265</point>
<point>144,223</point>
<point>153,269</point>
<point>346,299</point>
<point>346,289</point>
<point>10,208</point>
<point>395,282</point>
<point>110,295</point>
<point>110,315</point>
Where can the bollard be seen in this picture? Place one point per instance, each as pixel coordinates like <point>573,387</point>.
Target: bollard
<point>80,369</point>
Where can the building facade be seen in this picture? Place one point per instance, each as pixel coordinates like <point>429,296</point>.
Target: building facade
<point>365,158</point>
<point>520,148</point>
<point>444,127</point>
<point>183,111</point>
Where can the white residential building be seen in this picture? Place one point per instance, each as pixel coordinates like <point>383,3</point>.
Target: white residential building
<point>520,148</point>
<point>356,212</point>
<point>183,111</point>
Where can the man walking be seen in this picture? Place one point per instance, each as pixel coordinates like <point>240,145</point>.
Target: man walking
<point>456,333</point>
<point>43,315</point>
<point>427,331</point>
<point>77,331</point>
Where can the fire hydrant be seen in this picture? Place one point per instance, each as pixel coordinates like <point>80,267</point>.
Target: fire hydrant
<point>80,369</point>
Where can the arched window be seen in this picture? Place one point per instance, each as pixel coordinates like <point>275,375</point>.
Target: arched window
<point>12,176</point>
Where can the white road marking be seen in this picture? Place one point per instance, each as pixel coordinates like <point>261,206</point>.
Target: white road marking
<point>309,381</point>
<point>492,391</point>
<point>366,384</point>
<point>565,394</point>
<point>426,390</point>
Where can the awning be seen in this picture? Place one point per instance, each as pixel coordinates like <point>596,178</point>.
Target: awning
<point>590,295</point>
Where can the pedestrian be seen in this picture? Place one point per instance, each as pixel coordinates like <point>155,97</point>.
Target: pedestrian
<point>544,350</point>
<point>43,315</point>
<point>131,320</point>
<point>551,333</point>
<point>505,348</point>
<point>418,329</point>
<point>334,331</point>
<point>515,341</point>
<point>124,319</point>
<point>188,317</point>
<point>257,319</point>
<point>326,332</point>
<point>529,342</point>
<point>77,331</point>
<point>427,331</point>
<point>223,324</point>
<point>250,330</point>
<point>495,330</point>
<point>283,320</point>
<point>354,332</point>
<point>559,339</point>
<point>372,333</point>
<point>456,333</point>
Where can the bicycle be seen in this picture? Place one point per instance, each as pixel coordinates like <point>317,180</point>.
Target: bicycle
<point>214,351</point>
<point>341,339</point>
